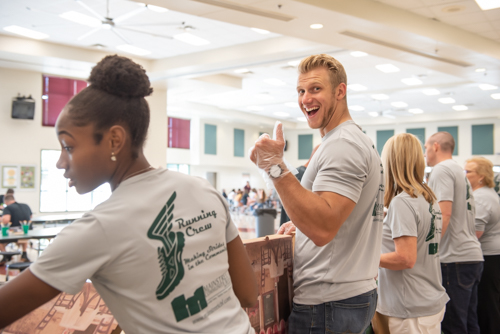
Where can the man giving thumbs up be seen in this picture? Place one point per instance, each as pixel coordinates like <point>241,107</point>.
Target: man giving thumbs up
<point>337,209</point>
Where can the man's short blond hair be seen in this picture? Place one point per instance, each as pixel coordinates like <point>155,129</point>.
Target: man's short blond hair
<point>445,141</point>
<point>484,169</point>
<point>334,67</point>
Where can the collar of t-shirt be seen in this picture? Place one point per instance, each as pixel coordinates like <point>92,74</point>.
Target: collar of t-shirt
<point>337,128</point>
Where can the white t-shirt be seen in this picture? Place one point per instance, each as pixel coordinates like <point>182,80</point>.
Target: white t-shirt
<point>415,292</point>
<point>348,164</point>
<point>156,251</point>
<point>488,219</point>
<point>459,243</point>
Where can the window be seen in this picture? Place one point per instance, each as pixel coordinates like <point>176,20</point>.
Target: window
<point>482,139</point>
<point>56,94</point>
<point>239,143</point>
<point>57,196</point>
<point>453,130</point>
<point>382,137</point>
<point>210,139</point>
<point>179,132</point>
<point>305,146</point>
<point>181,168</point>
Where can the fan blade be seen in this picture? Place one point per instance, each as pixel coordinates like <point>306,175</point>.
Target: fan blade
<point>154,24</point>
<point>90,10</point>
<point>144,32</point>
<point>121,36</point>
<point>91,32</point>
<point>129,15</point>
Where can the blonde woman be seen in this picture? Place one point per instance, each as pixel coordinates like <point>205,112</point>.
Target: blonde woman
<point>479,171</point>
<point>410,290</point>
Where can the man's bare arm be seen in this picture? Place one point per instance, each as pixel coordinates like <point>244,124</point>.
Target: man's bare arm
<point>446,207</point>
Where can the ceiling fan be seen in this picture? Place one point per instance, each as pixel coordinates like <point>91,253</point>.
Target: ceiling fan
<point>116,24</point>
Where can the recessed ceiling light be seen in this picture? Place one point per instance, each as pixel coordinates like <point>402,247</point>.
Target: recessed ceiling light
<point>359,54</point>
<point>292,105</point>
<point>496,96</point>
<point>260,31</point>
<point>356,108</point>
<point>380,97</point>
<point>242,71</point>
<point>191,39</point>
<point>431,91</point>
<point>80,18</point>
<point>255,108</point>
<point>302,119</point>
<point>25,32</point>
<point>446,100</point>
<point>157,9</point>
<point>264,97</point>
<point>294,62</point>
<point>133,50</point>
<point>415,111</point>
<point>480,70</point>
<point>357,87</point>
<point>411,81</point>
<point>316,26</point>
<point>387,68</point>
<point>460,107</point>
<point>487,87</point>
<point>275,82</point>
<point>399,104</point>
<point>373,114</point>
<point>488,4</point>
<point>281,114</point>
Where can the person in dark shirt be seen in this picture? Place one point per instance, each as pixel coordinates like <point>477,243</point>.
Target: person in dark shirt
<point>15,213</point>
<point>10,191</point>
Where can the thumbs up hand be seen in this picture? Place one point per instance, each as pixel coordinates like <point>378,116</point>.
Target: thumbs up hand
<point>268,152</point>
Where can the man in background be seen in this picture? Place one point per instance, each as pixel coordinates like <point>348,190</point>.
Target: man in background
<point>10,191</point>
<point>460,252</point>
<point>15,213</point>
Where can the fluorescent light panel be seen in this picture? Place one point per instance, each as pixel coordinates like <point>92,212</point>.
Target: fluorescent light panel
<point>495,96</point>
<point>387,68</point>
<point>373,114</point>
<point>480,70</point>
<point>260,31</point>
<point>80,18</point>
<point>281,114</point>
<point>488,4</point>
<point>25,32</point>
<point>133,50</point>
<point>242,70</point>
<point>460,107</point>
<point>446,100</point>
<point>487,87</point>
<point>359,54</point>
<point>316,26</point>
<point>431,91</point>
<point>415,111</point>
<point>399,104</point>
<point>191,39</point>
<point>411,81</point>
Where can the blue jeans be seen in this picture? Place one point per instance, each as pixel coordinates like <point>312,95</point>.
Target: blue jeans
<point>461,281</point>
<point>352,315</point>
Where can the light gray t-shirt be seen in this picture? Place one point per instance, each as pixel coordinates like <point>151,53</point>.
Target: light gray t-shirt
<point>415,292</point>
<point>348,164</point>
<point>156,251</point>
<point>459,243</point>
<point>488,219</point>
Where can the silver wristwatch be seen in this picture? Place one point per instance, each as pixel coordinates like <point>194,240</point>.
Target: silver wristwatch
<point>275,171</point>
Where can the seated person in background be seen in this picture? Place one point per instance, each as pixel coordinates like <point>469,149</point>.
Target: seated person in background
<point>479,171</point>
<point>10,191</point>
<point>410,289</point>
<point>142,257</point>
<point>15,213</point>
<point>261,200</point>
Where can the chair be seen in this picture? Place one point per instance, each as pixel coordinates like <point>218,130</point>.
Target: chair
<point>15,266</point>
<point>7,256</point>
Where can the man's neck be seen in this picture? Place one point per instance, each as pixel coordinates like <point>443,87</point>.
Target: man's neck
<point>443,157</point>
<point>337,119</point>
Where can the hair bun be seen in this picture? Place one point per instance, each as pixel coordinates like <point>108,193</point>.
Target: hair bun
<point>120,76</point>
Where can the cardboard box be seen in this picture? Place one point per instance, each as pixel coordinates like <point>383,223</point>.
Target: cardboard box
<point>272,260</point>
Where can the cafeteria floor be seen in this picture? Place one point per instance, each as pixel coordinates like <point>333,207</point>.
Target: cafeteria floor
<point>246,224</point>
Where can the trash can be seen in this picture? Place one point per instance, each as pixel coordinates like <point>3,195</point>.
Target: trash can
<point>264,224</point>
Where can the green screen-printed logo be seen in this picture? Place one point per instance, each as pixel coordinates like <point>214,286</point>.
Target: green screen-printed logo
<point>169,256</point>
<point>184,308</point>
<point>467,184</point>
<point>433,247</point>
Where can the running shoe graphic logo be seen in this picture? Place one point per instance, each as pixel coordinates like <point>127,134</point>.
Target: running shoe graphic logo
<point>170,254</point>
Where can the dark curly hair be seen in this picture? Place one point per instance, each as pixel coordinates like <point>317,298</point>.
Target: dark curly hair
<point>115,96</point>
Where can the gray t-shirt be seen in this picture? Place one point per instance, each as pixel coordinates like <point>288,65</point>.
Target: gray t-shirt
<point>415,292</point>
<point>488,219</point>
<point>459,243</point>
<point>348,164</point>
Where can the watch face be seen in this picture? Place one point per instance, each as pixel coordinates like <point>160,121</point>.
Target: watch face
<point>275,171</point>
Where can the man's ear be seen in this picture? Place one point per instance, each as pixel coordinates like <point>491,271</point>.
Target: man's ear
<point>340,91</point>
<point>117,137</point>
<point>436,146</point>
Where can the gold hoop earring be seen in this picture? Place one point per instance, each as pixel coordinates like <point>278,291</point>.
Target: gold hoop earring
<point>113,157</point>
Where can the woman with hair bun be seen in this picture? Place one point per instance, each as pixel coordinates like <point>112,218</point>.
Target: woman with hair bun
<point>171,262</point>
<point>479,171</point>
<point>410,289</point>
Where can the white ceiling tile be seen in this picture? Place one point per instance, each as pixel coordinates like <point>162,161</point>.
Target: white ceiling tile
<point>490,34</point>
<point>459,19</point>
<point>423,12</point>
<point>478,27</point>
<point>407,4</point>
